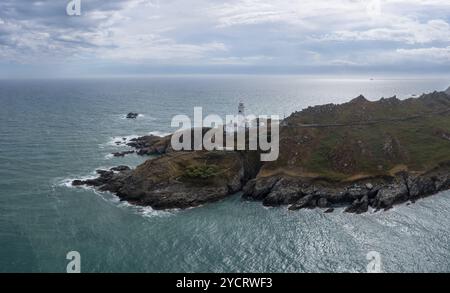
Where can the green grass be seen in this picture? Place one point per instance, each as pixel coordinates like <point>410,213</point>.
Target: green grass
<point>202,172</point>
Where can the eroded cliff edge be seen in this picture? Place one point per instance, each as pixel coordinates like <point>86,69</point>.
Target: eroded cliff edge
<point>359,154</point>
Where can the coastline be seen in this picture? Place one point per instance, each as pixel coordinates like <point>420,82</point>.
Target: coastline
<point>162,183</point>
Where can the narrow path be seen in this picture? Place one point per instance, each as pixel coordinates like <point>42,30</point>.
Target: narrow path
<point>370,122</point>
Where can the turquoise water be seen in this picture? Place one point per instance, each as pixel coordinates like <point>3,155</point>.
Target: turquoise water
<point>54,131</point>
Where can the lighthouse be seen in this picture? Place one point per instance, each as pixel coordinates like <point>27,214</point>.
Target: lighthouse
<point>242,122</point>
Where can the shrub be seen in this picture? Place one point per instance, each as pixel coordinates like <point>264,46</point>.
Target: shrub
<point>202,172</point>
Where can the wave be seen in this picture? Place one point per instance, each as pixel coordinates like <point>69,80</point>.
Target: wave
<point>122,141</point>
<point>118,141</point>
<point>67,182</point>
<point>148,212</point>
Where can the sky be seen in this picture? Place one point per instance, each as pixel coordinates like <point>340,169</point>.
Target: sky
<point>146,37</point>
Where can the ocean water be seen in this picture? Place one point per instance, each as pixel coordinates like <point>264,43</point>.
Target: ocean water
<point>52,131</point>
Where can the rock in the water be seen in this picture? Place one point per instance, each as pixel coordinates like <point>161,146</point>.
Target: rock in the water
<point>122,154</point>
<point>132,115</point>
<point>329,211</point>
<point>78,183</point>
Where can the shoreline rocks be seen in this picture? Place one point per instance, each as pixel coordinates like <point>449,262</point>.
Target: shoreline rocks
<point>379,193</point>
<point>162,183</point>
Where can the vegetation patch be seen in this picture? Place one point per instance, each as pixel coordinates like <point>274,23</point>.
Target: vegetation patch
<point>202,172</point>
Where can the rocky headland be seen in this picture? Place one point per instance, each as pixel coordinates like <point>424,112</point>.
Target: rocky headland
<point>357,155</point>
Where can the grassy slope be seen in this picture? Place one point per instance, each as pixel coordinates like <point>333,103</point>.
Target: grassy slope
<point>347,152</point>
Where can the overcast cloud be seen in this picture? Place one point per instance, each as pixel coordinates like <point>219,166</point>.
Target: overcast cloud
<point>217,36</point>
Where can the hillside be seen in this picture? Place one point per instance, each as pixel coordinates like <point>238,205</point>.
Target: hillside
<point>363,138</point>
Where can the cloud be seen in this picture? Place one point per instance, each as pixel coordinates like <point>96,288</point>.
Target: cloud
<point>432,54</point>
<point>401,31</point>
<point>279,33</point>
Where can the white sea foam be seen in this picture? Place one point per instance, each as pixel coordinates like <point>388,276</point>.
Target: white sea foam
<point>147,211</point>
<point>110,197</point>
<point>122,141</point>
<point>109,156</point>
<point>118,141</point>
<point>159,133</point>
<point>67,182</point>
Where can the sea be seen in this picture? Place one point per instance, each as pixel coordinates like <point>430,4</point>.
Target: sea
<point>54,131</point>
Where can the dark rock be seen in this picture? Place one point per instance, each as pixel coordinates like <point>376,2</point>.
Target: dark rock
<point>150,145</point>
<point>120,168</point>
<point>329,211</point>
<point>359,206</point>
<point>78,183</point>
<point>259,189</point>
<point>420,186</point>
<point>284,192</point>
<point>322,202</point>
<point>391,194</point>
<point>101,172</point>
<point>372,193</point>
<point>304,202</point>
<point>132,115</point>
<point>122,154</point>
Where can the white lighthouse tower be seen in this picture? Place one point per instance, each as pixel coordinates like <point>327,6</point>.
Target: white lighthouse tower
<point>242,121</point>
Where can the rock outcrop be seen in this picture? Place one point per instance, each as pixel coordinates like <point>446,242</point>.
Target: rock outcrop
<point>164,183</point>
<point>151,145</point>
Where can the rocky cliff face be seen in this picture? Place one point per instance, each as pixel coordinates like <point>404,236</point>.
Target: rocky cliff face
<point>360,154</point>
<point>377,192</point>
<point>179,180</point>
